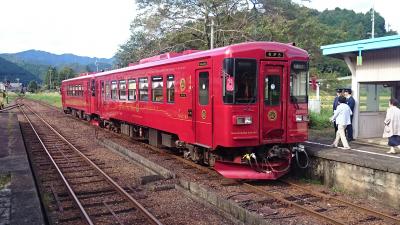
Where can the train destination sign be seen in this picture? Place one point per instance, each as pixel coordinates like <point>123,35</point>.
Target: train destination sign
<point>274,54</point>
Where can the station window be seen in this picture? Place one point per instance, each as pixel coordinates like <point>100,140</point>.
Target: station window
<point>203,88</point>
<point>157,89</point>
<point>107,90</point>
<point>170,89</point>
<point>113,89</point>
<point>132,90</point>
<point>143,89</point>
<point>122,90</point>
<point>374,97</point>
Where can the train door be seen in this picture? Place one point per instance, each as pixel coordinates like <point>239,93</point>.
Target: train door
<point>203,108</point>
<point>93,96</point>
<point>101,96</point>
<point>272,104</point>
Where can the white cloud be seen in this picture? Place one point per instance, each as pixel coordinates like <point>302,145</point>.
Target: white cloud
<point>387,8</point>
<point>91,27</point>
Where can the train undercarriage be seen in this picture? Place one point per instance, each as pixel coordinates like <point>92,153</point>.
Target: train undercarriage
<point>266,162</point>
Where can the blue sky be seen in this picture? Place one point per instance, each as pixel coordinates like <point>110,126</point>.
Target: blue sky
<point>96,28</point>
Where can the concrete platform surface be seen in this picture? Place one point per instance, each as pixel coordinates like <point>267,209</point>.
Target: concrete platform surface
<point>19,201</point>
<point>361,154</point>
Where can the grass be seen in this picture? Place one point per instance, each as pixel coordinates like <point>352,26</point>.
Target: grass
<point>51,98</point>
<point>320,120</point>
<point>310,181</point>
<point>4,180</point>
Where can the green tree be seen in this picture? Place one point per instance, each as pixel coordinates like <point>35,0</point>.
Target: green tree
<point>32,86</point>
<point>65,73</point>
<point>163,26</point>
<point>51,78</point>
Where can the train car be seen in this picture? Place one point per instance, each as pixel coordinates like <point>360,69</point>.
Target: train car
<point>76,96</point>
<point>241,108</point>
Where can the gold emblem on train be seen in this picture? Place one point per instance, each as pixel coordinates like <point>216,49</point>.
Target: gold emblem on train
<point>272,115</point>
<point>203,114</point>
<point>182,84</point>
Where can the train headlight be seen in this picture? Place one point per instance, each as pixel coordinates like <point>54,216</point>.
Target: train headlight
<point>241,120</point>
<point>299,118</point>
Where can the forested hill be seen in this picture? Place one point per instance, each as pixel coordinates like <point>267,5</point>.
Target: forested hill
<point>38,63</point>
<point>11,71</point>
<point>46,58</point>
<point>163,26</point>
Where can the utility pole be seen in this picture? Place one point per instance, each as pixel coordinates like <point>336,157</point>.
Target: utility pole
<point>51,70</point>
<point>373,21</point>
<point>212,33</point>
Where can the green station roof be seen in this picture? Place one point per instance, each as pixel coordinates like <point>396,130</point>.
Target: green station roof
<point>361,45</point>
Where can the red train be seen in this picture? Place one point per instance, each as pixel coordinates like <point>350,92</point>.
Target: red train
<point>240,108</point>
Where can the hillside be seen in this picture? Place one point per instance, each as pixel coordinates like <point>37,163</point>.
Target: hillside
<point>38,62</point>
<point>10,71</point>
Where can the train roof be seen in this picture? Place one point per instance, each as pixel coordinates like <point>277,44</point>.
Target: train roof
<point>289,49</point>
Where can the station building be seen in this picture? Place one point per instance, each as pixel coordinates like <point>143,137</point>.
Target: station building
<point>375,71</point>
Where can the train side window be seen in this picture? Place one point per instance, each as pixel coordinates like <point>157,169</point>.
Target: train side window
<point>132,90</point>
<point>203,88</point>
<point>143,89</point>
<point>157,88</point>
<point>170,89</point>
<point>93,87</point>
<point>272,90</point>
<point>73,90</point>
<point>113,89</point>
<point>122,90</point>
<point>102,89</point>
<point>107,90</point>
<point>80,90</point>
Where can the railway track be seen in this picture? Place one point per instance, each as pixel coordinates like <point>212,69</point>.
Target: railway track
<point>83,192</point>
<point>323,206</point>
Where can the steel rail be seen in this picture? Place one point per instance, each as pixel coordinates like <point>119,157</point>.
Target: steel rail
<point>360,208</point>
<point>297,206</point>
<point>71,192</point>
<point>202,168</point>
<point>9,107</point>
<point>152,219</point>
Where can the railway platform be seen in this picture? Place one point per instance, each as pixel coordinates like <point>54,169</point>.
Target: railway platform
<point>365,169</point>
<point>19,201</point>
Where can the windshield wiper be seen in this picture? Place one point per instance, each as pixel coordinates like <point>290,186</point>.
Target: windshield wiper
<point>295,101</point>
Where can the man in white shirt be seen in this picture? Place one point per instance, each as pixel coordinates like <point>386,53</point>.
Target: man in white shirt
<point>342,117</point>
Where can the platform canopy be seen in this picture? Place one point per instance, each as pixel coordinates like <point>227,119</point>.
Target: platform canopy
<point>356,47</point>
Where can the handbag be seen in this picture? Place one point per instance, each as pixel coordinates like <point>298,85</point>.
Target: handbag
<point>387,129</point>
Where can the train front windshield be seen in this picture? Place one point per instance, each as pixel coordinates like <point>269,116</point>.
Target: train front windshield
<point>299,82</point>
<point>240,81</point>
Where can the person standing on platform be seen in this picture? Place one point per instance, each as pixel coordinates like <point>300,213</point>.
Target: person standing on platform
<point>392,126</point>
<point>342,116</point>
<point>335,104</point>
<point>351,102</point>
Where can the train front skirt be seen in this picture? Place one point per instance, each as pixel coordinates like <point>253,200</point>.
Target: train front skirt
<point>265,171</point>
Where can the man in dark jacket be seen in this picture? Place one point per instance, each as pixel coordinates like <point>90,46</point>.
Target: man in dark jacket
<point>335,104</point>
<point>351,102</point>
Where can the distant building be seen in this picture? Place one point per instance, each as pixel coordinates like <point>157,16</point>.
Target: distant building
<point>375,68</point>
<point>14,87</point>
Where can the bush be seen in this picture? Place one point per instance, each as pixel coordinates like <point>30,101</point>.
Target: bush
<point>320,120</point>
